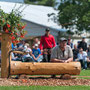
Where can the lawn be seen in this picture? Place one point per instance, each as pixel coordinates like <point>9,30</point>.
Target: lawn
<point>85,73</point>
<point>46,88</point>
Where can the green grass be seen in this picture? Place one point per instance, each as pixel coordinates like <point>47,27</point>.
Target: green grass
<point>84,73</point>
<point>46,88</point>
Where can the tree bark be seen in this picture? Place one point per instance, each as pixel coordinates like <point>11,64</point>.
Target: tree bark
<point>5,48</point>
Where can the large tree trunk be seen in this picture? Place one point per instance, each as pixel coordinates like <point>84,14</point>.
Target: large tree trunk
<point>29,68</point>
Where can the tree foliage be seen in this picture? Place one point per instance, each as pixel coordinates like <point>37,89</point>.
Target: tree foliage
<point>41,2</point>
<point>11,23</point>
<point>75,14</point>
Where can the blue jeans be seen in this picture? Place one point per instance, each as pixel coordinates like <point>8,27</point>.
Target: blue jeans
<point>38,60</point>
<point>83,63</point>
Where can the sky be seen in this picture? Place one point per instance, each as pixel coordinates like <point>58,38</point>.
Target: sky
<point>13,0</point>
<point>58,1</point>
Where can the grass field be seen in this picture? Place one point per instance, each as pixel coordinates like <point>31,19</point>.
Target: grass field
<point>85,73</point>
<point>46,88</point>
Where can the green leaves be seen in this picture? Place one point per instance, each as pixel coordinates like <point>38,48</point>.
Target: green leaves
<point>41,2</point>
<point>11,23</point>
<point>75,13</point>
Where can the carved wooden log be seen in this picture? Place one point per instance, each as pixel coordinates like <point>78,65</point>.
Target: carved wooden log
<point>29,68</point>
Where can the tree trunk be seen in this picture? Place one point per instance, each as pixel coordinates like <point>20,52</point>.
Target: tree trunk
<point>5,48</point>
<point>32,68</point>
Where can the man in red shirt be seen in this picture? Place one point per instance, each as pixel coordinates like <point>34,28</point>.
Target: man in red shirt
<point>46,44</point>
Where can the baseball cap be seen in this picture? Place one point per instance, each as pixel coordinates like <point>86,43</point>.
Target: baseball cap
<point>62,39</point>
<point>47,29</point>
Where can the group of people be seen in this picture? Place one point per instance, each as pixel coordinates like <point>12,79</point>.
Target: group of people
<point>82,53</point>
<point>46,50</point>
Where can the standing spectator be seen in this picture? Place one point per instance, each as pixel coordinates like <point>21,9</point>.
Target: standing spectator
<point>46,44</point>
<point>75,52</point>
<point>36,54</point>
<point>78,44</point>
<point>83,44</point>
<point>82,57</point>
<point>70,43</point>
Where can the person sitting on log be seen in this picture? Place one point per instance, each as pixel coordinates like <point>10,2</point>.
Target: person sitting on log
<point>62,53</point>
<point>36,54</point>
<point>27,57</point>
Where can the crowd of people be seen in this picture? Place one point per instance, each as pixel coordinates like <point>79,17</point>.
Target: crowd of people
<point>46,50</point>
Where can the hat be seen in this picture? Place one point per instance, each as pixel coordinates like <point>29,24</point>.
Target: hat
<point>62,39</point>
<point>83,37</point>
<point>36,45</point>
<point>47,29</point>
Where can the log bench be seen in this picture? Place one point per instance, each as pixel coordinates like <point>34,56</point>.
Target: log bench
<point>33,68</point>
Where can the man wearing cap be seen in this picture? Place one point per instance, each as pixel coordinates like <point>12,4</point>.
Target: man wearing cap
<point>83,44</point>
<point>62,52</point>
<point>47,42</point>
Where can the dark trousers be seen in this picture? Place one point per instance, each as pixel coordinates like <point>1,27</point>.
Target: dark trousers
<point>46,57</point>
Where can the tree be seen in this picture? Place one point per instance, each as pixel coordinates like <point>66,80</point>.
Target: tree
<point>41,2</point>
<point>75,14</point>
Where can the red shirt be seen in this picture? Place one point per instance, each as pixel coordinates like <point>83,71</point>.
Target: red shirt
<point>47,42</point>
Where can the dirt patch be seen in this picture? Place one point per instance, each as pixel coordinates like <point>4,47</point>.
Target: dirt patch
<point>43,81</point>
